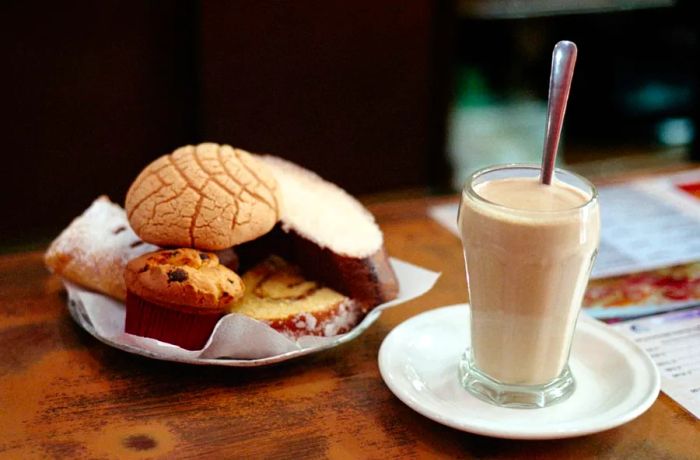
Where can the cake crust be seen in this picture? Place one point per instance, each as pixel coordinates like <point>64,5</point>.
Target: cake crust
<point>208,196</point>
<point>330,234</point>
<point>370,281</point>
<point>322,212</point>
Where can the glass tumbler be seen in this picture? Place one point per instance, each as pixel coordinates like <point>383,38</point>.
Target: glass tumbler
<point>528,250</point>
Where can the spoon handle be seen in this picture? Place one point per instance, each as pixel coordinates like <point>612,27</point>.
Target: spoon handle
<point>563,61</point>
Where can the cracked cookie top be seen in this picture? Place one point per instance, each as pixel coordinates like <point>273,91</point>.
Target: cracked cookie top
<point>183,278</point>
<point>208,196</point>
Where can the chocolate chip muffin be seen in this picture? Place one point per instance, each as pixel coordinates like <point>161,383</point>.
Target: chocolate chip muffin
<point>178,296</point>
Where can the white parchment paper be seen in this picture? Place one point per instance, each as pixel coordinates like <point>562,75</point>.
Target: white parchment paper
<point>237,340</point>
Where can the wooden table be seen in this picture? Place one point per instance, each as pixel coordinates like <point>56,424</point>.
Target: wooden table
<point>63,394</point>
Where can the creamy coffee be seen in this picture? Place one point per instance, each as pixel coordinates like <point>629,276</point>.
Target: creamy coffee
<point>528,249</point>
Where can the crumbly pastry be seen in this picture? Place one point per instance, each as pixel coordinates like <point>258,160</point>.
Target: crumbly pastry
<point>178,295</point>
<point>329,234</point>
<point>278,294</point>
<point>208,196</point>
<point>95,248</point>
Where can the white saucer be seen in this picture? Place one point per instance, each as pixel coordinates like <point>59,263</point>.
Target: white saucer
<point>616,380</point>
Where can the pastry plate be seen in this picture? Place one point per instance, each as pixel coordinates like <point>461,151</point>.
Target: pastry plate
<point>616,380</point>
<point>237,340</point>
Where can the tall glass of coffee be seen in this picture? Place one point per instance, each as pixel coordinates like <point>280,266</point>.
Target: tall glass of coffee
<point>528,249</point>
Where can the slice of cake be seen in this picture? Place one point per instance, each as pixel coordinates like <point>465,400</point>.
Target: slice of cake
<point>329,234</point>
<point>277,294</point>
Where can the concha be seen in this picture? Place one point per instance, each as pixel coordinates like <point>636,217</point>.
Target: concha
<point>207,196</point>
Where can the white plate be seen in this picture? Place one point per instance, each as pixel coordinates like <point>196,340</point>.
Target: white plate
<point>616,380</point>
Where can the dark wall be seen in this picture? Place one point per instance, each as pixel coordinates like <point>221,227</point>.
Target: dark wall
<point>341,87</point>
<point>93,91</point>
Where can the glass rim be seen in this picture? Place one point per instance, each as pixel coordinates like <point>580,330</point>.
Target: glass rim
<point>469,189</point>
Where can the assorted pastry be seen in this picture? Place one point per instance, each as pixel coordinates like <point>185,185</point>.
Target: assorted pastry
<point>210,230</point>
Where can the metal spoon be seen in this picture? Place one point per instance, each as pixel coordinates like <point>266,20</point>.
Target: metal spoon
<point>563,61</point>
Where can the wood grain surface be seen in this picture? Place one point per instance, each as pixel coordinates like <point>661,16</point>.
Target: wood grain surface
<point>63,394</point>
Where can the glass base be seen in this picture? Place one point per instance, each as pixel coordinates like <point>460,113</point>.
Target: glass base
<point>519,396</point>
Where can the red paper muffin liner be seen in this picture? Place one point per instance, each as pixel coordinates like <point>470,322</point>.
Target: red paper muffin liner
<point>184,329</point>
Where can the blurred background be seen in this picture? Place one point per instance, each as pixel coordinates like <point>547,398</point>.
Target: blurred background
<point>388,99</point>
